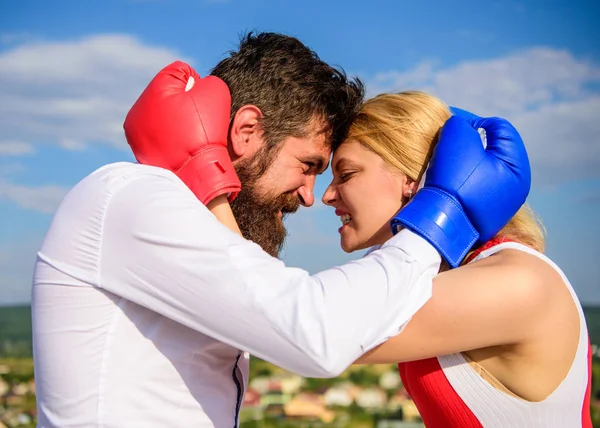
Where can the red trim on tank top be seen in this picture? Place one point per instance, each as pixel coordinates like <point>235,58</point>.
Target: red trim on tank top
<point>489,244</point>
<point>438,403</point>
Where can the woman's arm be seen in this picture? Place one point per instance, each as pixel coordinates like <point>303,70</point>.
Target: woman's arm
<point>491,302</point>
<point>496,301</point>
<point>221,209</point>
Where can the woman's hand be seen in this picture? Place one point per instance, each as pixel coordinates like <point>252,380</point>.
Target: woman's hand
<point>221,209</point>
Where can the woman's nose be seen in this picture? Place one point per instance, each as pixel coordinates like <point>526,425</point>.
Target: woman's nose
<point>330,195</point>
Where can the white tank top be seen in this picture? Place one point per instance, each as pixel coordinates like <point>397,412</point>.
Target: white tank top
<point>493,408</point>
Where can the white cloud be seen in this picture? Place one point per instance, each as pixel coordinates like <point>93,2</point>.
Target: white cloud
<point>8,168</point>
<point>73,93</point>
<point>563,138</point>
<point>11,38</point>
<point>546,93</point>
<point>15,148</point>
<point>44,198</point>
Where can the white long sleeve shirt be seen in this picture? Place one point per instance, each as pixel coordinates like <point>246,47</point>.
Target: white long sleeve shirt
<point>145,307</point>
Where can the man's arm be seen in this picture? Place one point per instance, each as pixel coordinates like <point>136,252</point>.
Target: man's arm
<point>165,251</point>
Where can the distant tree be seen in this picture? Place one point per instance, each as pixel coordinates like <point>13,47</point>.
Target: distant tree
<point>364,376</point>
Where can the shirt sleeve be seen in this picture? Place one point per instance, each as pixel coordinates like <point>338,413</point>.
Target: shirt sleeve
<point>162,249</point>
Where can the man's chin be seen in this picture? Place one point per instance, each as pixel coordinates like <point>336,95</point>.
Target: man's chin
<point>268,232</point>
<point>260,218</point>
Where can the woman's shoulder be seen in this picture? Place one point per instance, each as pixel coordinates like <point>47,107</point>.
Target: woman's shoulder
<point>527,260</point>
<point>532,271</point>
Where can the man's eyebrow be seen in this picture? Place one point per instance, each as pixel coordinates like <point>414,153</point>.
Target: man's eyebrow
<point>321,163</point>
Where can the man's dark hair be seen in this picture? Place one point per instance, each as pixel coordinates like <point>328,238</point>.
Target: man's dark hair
<point>291,85</point>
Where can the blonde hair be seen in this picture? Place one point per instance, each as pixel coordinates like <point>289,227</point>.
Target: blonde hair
<point>403,129</point>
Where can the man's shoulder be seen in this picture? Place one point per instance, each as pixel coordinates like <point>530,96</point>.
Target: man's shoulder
<point>101,186</point>
<point>114,176</point>
<point>128,170</point>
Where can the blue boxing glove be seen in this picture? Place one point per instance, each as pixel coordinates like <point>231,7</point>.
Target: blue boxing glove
<point>470,192</point>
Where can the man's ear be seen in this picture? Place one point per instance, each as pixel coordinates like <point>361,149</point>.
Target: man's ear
<point>245,133</point>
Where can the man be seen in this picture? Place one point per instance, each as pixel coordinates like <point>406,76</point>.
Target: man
<point>145,307</point>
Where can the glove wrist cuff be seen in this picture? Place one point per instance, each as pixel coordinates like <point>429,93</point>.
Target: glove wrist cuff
<point>439,218</point>
<point>210,173</point>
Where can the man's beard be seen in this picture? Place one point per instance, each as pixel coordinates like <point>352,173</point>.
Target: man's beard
<point>257,214</point>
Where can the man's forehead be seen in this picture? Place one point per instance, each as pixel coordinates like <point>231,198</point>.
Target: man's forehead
<point>321,144</point>
<point>311,150</point>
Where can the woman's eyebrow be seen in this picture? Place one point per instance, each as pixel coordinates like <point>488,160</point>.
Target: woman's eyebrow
<point>343,162</point>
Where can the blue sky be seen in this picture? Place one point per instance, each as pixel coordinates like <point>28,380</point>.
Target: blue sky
<point>70,70</point>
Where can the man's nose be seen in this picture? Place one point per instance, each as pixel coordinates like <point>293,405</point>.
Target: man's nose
<point>306,192</point>
<point>306,196</point>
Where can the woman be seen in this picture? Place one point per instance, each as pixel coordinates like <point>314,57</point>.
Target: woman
<point>503,341</point>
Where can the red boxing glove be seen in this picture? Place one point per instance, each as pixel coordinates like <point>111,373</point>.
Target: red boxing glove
<point>181,123</point>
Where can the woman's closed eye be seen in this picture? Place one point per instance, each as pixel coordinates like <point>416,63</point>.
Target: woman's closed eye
<point>345,176</point>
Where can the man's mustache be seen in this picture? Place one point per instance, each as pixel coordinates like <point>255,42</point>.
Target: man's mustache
<point>289,204</point>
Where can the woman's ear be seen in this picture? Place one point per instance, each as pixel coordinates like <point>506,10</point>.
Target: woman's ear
<point>246,133</point>
<point>409,188</point>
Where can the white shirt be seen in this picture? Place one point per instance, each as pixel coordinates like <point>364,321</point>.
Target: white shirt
<point>145,307</point>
